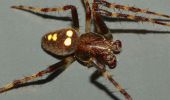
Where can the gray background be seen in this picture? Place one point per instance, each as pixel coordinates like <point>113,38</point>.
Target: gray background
<point>143,68</point>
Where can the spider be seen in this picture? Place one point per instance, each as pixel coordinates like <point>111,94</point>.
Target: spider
<point>92,49</point>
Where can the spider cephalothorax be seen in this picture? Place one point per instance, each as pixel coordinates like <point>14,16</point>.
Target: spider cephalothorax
<point>95,49</point>
<point>92,45</point>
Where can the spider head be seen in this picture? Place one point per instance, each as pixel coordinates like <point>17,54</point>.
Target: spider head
<point>61,42</point>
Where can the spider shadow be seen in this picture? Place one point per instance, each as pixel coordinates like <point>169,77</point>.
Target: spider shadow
<point>60,67</point>
<point>133,31</point>
<point>112,19</point>
<point>109,19</point>
<point>49,78</point>
<point>93,80</point>
<point>55,74</point>
<point>46,16</point>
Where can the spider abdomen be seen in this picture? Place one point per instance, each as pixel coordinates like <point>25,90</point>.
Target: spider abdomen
<point>61,42</point>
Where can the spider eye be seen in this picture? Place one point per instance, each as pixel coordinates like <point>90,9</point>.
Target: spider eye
<point>61,42</point>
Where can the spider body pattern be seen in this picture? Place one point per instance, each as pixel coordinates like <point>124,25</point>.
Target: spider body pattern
<point>92,49</point>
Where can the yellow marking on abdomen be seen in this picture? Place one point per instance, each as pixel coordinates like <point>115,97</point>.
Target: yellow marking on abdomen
<point>54,37</point>
<point>49,37</point>
<point>67,42</point>
<point>69,33</point>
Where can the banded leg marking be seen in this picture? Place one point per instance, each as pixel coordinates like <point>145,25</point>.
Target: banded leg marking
<point>64,8</point>
<point>88,15</point>
<point>132,17</point>
<point>100,25</point>
<point>129,8</point>
<point>108,76</point>
<point>26,79</point>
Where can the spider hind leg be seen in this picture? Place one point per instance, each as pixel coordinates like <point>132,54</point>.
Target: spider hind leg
<point>58,9</point>
<point>62,64</point>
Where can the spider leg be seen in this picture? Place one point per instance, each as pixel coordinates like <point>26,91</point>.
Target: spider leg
<point>108,76</point>
<point>62,64</point>
<point>64,8</point>
<point>88,15</point>
<point>93,80</point>
<point>100,26</point>
<point>131,17</point>
<point>128,8</point>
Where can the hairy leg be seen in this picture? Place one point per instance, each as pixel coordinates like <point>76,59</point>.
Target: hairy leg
<point>131,17</point>
<point>101,27</point>
<point>101,68</point>
<point>64,8</point>
<point>128,8</point>
<point>65,62</point>
<point>88,15</point>
<point>93,79</point>
<point>108,76</point>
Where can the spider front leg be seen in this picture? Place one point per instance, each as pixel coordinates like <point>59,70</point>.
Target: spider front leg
<point>100,26</point>
<point>64,8</point>
<point>128,8</point>
<point>108,76</point>
<point>88,15</point>
<point>131,17</point>
<point>62,64</point>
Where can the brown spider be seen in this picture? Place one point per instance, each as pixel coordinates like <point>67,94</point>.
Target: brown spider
<point>91,49</point>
